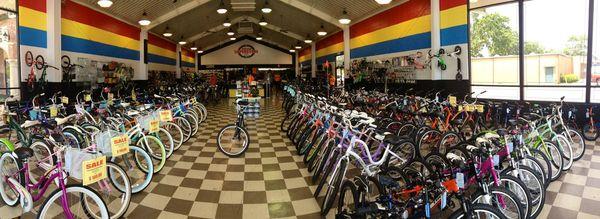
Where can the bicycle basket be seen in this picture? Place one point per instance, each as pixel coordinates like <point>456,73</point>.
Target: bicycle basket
<point>103,141</point>
<point>144,121</point>
<point>74,159</point>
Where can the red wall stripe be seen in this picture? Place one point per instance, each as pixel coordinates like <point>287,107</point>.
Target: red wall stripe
<point>331,40</point>
<point>85,15</point>
<point>447,4</point>
<point>305,51</point>
<point>187,52</point>
<point>162,43</point>
<point>38,5</point>
<point>406,11</point>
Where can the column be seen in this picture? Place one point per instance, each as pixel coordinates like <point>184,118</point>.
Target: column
<point>178,62</point>
<point>197,56</point>
<point>143,66</point>
<point>313,60</point>
<point>436,73</point>
<point>297,64</point>
<point>53,40</point>
<point>346,30</point>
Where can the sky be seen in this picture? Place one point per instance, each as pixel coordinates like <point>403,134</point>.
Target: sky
<point>551,22</point>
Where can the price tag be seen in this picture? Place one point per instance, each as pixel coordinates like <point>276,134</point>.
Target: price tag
<point>444,200</point>
<point>452,100</point>
<point>469,108</point>
<point>64,100</point>
<point>460,180</point>
<point>87,98</point>
<point>154,126</point>
<point>427,210</point>
<point>94,170</point>
<point>460,108</point>
<point>133,95</point>
<point>423,110</point>
<point>479,108</point>
<point>510,146</point>
<point>587,115</point>
<point>119,145</point>
<point>53,111</point>
<point>166,115</point>
<point>496,159</point>
<point>111,97</point>
<point>570,114</point>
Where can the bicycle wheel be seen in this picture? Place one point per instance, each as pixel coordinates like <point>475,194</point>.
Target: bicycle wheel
<point>478,211</point>
<point>176,133</point>
<point>233,140</point>
<point>52,206</point>
<point>8,168</point>
<point>185,126</point>
<point>139,167</point>
<point>165,137</point>
<point>115,191</point>
<point>41,151</point>
<point>322,158</point>
<point>193,122</point>
<point>567,151</point>
<point>428,142</point>
<point>519,188</point>
<point>334,186</point>
<point>590,132</point>
<point>450,139</point>
<point>533,185</point>
<point>327,168</point>
<point>348,200</point>
<point>155,149</point>
<point>577,143</point>
<point>314,151</point>
<point>502,199</point>
<point>556,159</point>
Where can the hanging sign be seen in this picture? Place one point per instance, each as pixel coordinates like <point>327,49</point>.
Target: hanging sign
<point>246,51</point>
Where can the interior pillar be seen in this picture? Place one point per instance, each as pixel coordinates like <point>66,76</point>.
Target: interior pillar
<point>313,60</point>
<point>178,62</point>
<point>53,40</point>
<point>297,64</point>
<point>346,29</point>
<point>436,73</point>
<point>143,68</point>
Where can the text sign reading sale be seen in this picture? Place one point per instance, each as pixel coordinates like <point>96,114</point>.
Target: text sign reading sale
<point>166,116</point>
<point>94,170</point>
<point>119,145</point>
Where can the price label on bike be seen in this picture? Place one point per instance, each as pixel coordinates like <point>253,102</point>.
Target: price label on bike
<point>53,111</point>
<point>460,108</point>
<point>110,98</point>
<point>87,98</point>
<point>166,115</point>
<point>479,108</point>
<point>469,108</point>
<point>460,180</point>
<point>94,170</point>
<point>452,100</point>
<point>64,100</point>
<point>119,145</point>
<point>154,126</point>
<point>133,95</point>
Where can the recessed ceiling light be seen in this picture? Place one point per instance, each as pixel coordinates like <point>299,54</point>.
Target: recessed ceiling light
<point>105,3</point>
<point>298,47</point>
<point>227,23</point>
<point>291,50</point>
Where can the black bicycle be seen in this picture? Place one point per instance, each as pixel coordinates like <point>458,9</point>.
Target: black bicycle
<point>233,139</point>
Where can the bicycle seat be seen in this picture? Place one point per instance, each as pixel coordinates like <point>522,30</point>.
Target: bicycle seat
<point>392,139</point>
<point>30,123</point>
<point>23,153</point>
<point>243,103</point>
<point>388,182</point>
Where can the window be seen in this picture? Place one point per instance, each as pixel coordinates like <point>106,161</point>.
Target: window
<point>495,49</point>
<point>554,50</point>
<point>9,56</point>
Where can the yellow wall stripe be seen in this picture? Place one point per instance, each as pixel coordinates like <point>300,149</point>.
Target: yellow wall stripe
<point>453,17</point>
<point>335,48</point>
<point>411,27</point>
<point>32,18</point>
<point>304,58</point>
<point>86,32</point>
<point>156,50</point>
<point>187,59</point>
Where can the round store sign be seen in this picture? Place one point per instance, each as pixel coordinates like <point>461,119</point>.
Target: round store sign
<point>246,51</point>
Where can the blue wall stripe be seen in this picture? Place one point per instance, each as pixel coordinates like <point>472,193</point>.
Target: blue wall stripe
<point>187,64</point>
<point>32,37</point>
<point>454,35</point>
<point>330,58</point>
<point>417,41</point>
<point>161,59</point>
<point>307,62</point>
<point>73,44</point>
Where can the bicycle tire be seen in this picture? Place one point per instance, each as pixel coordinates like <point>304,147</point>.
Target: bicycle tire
<point>347,185</point>
<point>56,194</point>
<point>4,167</point>
<point>244,146</point>
<point>128,165</point>
<point>162,157</point>
<point>507,195</point>
<point>328,167</point>
<point>487,210</point>
<point>124,188</point>
<point>333,189</point>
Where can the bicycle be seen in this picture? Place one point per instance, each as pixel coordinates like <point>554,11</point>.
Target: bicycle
<point>233,140</point>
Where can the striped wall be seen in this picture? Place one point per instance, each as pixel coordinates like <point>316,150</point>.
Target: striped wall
<point>162,54</point>
<point>32,23</point>
<point>304,56</point>
<point>330,47</point>
<point>188,58</point>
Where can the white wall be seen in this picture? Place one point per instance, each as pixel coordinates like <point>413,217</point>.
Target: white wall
<point>228,56</point>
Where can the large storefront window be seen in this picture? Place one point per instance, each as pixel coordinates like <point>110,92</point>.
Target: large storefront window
<point>495,49</point>
<point>595,92</point>
<point>9,49</point>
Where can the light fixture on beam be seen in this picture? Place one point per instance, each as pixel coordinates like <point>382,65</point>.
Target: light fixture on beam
<point>232,38</point>
<point>181,41</point>
<point>298,46</point>
<point>200,51</point>
<point>144,21</point>
<point>222,9</point>
<point>383,2</point>
<point>167,32</point>
<point>292,51</point>
<point>105,3</point>
<point>259,38</point>
<point>227,23</point>
<point>230,32</point>
<point>308,40</point>
<point>345,19</point>
<point>322,31</point>
<point>266,9</point>
<point>262,21</point>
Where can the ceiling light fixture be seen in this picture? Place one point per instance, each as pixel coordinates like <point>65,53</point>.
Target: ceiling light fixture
<point>232,38</point>
<point>144,20</point>
<point>308,40</point>
<point>262,21</point>
<point>227,23</point>
<point>222,9</point>
<point>383,2</point>
<point>230,32</point>
<point>105,3</point>
<point>181,41</point>
<point>167,32</point>
<point>344,19</point>
<point>194,48</point>
<point>298,47</point>
<point>322,31</point>
<point>200,51</point>
<point>259,38</point>
<point>266,9</point>
<point>292,51</point>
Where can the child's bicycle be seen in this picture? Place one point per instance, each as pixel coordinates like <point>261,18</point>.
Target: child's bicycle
<point>233,139</point>
<point>590,129</point>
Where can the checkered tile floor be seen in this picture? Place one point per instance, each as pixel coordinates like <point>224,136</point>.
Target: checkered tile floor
<point>270,181</point>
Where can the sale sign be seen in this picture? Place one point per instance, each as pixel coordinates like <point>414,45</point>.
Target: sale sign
<point>166,116</point>
<point>154,126</point>
<point>94,170</point>
<point>119,145</point>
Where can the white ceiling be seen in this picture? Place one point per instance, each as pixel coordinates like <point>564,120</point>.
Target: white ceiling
<point>286,16</point>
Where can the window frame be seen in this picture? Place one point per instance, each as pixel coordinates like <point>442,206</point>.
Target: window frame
<point>18,41</point>
<point>521,44</point>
